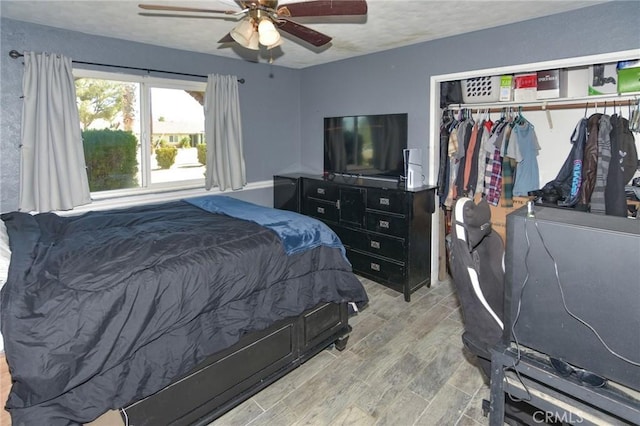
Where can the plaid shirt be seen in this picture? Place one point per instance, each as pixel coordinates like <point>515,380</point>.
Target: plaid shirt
<point>493,179</point>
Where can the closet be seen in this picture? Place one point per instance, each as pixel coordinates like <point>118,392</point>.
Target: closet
<point>554,120</point>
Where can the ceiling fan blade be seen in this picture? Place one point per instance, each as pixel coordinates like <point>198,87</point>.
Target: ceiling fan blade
<point>304,33</point>
<point>179,15</point>
<point>226,39</point>
<point>183,9</point>
<point>324,8</point>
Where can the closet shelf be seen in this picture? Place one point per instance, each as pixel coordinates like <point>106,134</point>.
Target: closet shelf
<point>614,99</point>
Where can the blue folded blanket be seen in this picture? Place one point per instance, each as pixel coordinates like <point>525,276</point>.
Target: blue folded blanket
<point>297,232</point>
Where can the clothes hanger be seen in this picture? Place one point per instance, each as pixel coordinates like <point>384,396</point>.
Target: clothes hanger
<point>520,119</point>
<point>634,120</point>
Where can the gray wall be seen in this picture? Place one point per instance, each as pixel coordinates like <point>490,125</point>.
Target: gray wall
<point>282,113</point>
<point>398,80</point>
<point>270,98</point>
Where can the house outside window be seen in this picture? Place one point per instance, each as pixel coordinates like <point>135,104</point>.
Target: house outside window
<point>141,134</point>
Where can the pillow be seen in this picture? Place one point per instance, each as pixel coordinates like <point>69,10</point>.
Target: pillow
<point>5,258</point>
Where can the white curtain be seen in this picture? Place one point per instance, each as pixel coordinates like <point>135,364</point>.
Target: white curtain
<point>223,134</point>
<point>53,175</point>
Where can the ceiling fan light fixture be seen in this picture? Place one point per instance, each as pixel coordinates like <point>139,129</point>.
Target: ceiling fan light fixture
<point>242,32</point>
<point>254,41</point>
<point>276,44</point>
<point>268,33</point>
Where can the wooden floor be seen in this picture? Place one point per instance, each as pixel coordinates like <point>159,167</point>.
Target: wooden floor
<point>404,365</point>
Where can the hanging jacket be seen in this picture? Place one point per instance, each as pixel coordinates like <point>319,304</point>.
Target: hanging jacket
<point>471,161</point>
<point>465,131</point>
<point>566,185</point>
<point>622,149</point>
<point>443,170</point>
<point>590,160</point>
<point>604,158</point>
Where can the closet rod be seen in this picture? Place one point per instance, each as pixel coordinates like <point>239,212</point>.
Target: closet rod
<point>577,105</point>
<point>15,55</point>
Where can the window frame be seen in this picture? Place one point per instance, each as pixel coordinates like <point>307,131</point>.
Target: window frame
<point>146,83</point>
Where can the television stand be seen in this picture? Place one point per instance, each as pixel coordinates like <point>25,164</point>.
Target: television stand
<point>529,376</point>
<point>385,227</point>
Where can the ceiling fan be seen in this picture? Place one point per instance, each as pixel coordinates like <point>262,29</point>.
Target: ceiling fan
<point>261,19</point>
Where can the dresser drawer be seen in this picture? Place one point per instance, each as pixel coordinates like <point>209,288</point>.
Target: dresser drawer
<point>320,190</point>
<point>321,209</point>
<point>387,224</point>
<point>382,269</point>
<point>381,245</point>
<point>388,201</point>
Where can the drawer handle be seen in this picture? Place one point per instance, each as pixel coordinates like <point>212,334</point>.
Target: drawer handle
<point>384,224</point>
<point>321,191</point>
<point>320,210</point>
<point>375,244</point>
<point>384,201</point>
<point>375,266</point>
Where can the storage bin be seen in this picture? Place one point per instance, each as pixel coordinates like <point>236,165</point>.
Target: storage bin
<point>481,89</point>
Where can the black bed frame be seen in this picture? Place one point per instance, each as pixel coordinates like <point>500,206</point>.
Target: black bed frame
<point>233,375</point>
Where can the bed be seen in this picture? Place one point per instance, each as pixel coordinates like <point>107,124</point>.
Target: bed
<point>172,313</point>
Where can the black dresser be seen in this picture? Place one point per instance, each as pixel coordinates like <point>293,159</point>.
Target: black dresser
<point>385,227</point>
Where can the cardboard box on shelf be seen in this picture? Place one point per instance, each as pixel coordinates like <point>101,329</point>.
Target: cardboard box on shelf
<point>525,87</point>
<point>578,82</point>
<point>506,88</point>
<point>552,84</point>
<point>603,79</point>
<point>629,80</point>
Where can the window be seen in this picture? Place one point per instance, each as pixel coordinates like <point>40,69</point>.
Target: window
<point>141,133</point>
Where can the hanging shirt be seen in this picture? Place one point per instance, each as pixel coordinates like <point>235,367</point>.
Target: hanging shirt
<point>484,156</point>
<point>508,171</point>
<point>453,168</point>
<point>524,148</point>
<point>471,158</point>
<point>493,170</point>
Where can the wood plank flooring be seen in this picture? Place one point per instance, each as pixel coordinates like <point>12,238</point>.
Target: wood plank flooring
<point>404,365</point>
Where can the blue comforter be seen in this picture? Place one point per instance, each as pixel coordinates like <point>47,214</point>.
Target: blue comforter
<point>297,232</point>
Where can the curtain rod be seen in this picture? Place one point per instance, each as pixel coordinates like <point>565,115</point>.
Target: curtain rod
<point>15,55</point>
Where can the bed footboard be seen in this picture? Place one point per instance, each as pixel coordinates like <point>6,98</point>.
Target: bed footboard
<point>231,376</point>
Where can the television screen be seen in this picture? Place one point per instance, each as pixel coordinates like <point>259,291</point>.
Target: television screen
<point>370,145</point>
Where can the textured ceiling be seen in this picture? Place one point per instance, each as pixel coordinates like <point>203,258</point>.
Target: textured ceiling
<point>388,24</point>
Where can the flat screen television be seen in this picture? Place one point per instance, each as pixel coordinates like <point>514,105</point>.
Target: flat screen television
<point>365,145</point>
